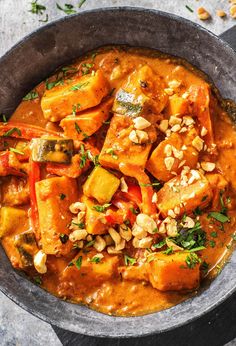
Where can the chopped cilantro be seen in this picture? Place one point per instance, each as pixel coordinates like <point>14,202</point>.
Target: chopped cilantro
<point>95,259</point>
<point>11,131</point>
<point>111,152</point>
<point>129,260</point>
<point>37,8</point>
<point>212,243</point>
<point>78,262</point>
<point>32,95</point>
<point>50,85</point>
<point>79,224</point>
<point>38,280</point>
<point>79,86</point>
<point>90,243</point>
<point>68,9</point>
<point>134,211</point>
<point>62,196</point>
<point>190,238</point>
<point>204,267</point>
<point>189,8</point>
<point>219,216</point>
<point>101,208</point>
<point>192,260</point>
<point>83,157</point>
<point>169,251</point>
<point>81,3</point>
<point>160,244</point>
<point>4,118</point>
<point>214,234</point>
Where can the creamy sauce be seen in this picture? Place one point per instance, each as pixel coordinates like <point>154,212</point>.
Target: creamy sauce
<point>116,296</point>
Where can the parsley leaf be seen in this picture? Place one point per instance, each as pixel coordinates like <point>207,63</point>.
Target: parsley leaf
<point>32,95</point>
<point>78,262</point>
<point>95,259</point>
<point>129,260</point>
<point>68,9</point>
<point>192,260</point>
<point>81,3</point>
<point>11,131</point>
<point>160,244</point>
<point>37,8</point>
<point>79,86</point>
<point>219,216</point>
<point>62,196</point>
<point>101,208</point>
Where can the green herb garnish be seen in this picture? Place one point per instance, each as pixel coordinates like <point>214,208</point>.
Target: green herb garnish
<point>78,224</point>
<point>160,244</point>
<point>50,85</point>
<point>189,8</point>
<point>78,262</point>
<point>44,20</point>
<point>192,260</point>
<point>134,211</point>
<point>38,280</point>
<point>129,260</point>
<point>212,243</point>
<point>169,251</point>
<point>4,118</point>
<point>62,196</point>
<point>37,8</point>
<point>68,9</point>
<point>214,234</point>
<point>101,208</point>
<point>83,157</point>
<point>11,131</point>
<point>90,243</point>
<point>81,3</point>
<point>79,86</point>
<point>219,216</point>
<point>111,152</point>
<point>95,259</point>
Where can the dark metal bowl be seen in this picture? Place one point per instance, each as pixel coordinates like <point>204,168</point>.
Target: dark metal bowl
<point>38,55</point>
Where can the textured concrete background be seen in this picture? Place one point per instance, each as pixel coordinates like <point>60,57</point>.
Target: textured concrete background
<point>18,327</point>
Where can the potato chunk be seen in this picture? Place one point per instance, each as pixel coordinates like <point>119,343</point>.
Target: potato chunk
<point>177,105</point>
<point>157,165</point>
<point>95,222</point>
<point>119,148</point>
<point>101,185</point>
<point>88,122</point>
<point>142,93</point>
<point>84,274</point>
<point>15,191</point>
<point>82,93</point>
<point>10,219</point>
<point>171,273</point>
<point>179,192</point>
<point>54,214</point>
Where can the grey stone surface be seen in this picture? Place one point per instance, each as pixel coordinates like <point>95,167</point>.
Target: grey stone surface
<point>17,326</point>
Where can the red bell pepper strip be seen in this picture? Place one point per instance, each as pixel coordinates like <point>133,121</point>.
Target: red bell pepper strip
<point>200,98</point>
<point>136,172</point>
<point>34,176</point>
<point>25,131</point>
<point>6,167</point>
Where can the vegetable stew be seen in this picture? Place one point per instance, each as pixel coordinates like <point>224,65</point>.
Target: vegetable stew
<point>118,182</point>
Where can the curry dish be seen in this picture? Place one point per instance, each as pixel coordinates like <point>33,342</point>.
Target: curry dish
<point>118,182</point>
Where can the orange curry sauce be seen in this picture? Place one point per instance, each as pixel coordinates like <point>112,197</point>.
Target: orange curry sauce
<point>157,215</point>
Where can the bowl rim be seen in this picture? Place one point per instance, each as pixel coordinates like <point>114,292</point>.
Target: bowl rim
<point>137,332</point>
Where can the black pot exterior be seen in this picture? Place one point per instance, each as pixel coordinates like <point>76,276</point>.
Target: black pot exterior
<point>38,55</point>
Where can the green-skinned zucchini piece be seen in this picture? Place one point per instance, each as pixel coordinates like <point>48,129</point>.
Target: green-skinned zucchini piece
<point>25,243</point>
<point>52,150</point>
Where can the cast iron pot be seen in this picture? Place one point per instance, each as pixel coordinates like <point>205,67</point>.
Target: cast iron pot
<point>38,55</point>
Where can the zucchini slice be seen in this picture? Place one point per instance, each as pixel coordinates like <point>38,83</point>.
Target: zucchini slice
<point>26,245</point>
<point>52,150</point>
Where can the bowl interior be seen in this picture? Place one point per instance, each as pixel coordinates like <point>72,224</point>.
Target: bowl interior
<point>58,43</point>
